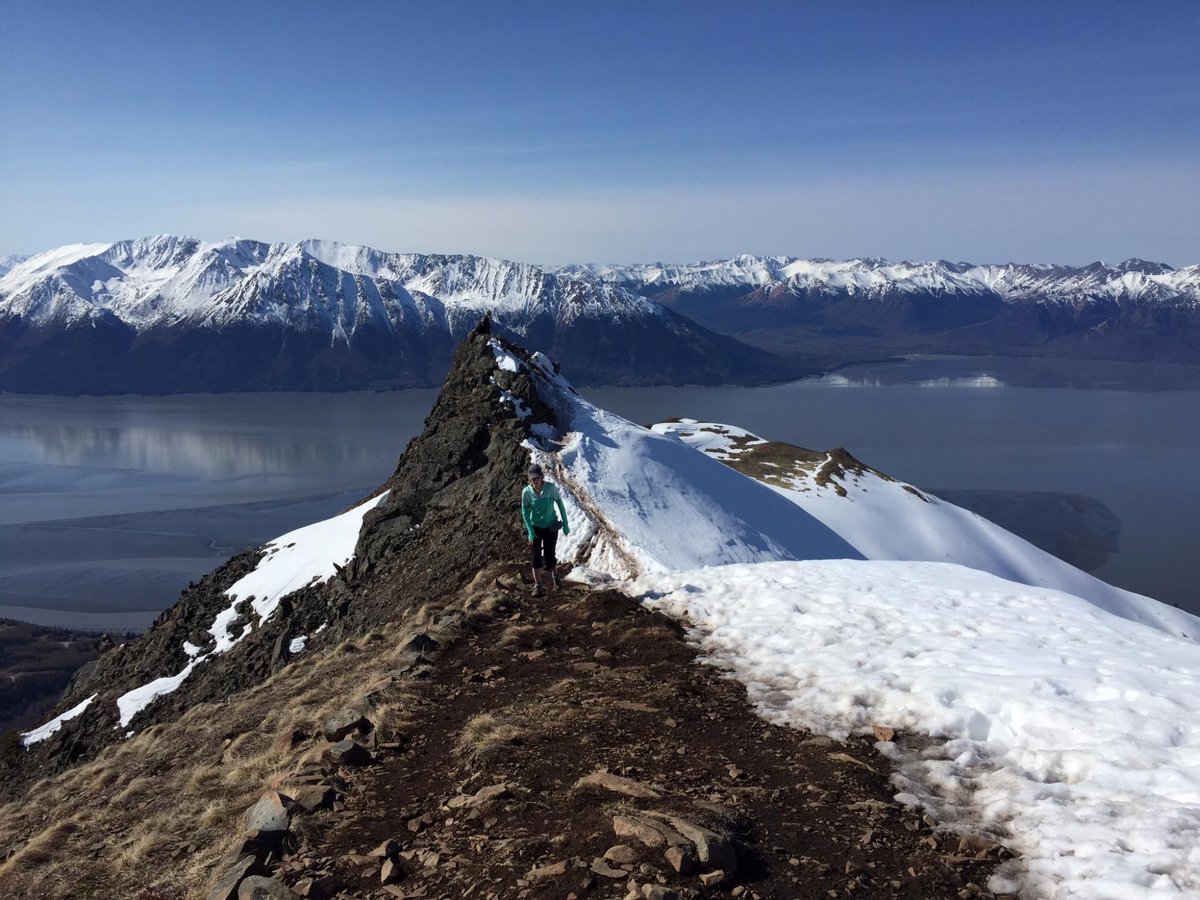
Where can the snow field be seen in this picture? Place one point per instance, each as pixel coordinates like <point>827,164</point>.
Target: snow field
<point>1068,732</point>
<point>887,519</point>
<point>1073,734</point>
<point>674,508</point>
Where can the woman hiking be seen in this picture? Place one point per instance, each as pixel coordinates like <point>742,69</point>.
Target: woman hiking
<point>538,500</point>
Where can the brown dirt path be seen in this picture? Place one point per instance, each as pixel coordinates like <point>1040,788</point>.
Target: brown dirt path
<point>536,695</point>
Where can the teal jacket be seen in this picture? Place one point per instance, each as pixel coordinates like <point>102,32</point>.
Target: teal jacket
<point>538,511</point>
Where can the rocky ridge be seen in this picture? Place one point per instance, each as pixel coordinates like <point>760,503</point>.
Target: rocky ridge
<point>442,734</point>
<point>446,515</point>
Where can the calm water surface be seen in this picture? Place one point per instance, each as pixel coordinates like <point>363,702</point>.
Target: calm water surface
<point>109,506</point>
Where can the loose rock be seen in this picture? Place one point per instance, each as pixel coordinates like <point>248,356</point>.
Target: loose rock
<point>621,854</point>
<point>342,724</point>
<point>259,887</point>
<point>226,886</point>
<point>618,785</point>
<point>270,814</point>
<point>347,753</point>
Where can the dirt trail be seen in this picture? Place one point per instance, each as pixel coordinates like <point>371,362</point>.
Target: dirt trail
<point>539,694</point>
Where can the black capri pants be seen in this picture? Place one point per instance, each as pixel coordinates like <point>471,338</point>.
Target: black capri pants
<point>542,548</point>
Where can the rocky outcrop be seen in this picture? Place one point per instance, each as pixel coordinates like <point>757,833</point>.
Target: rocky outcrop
<point>449,512</point>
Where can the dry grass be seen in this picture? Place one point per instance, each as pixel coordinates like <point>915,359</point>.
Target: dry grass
<point>145,840</point>
<point>485,734</point>
<point>181,783</point>
<point>527,637</point>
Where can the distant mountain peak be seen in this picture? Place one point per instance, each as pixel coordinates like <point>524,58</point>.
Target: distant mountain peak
<point>874,274</point>
<point>174,313</point>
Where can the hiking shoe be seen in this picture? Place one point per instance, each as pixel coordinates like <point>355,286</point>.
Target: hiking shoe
<point>557,581</point>
<point>538,591</point>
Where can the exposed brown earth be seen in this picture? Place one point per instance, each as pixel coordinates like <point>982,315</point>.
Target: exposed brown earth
<point>544,736</point>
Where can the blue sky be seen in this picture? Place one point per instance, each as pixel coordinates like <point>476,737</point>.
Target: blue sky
<point>620,132</point>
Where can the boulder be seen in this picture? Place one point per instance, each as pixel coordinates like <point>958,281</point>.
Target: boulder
<point>621,854</point>
<point>715,878</point>
<point>259,887</point>
<point>226,885</point>
<point>270,814</point>
<point>420,642</point>
<point>322,888</point>
<point>552,870</point>
<point>600,867</point>
<point>715,851</point>
<point>480,797</point>
<point>341,724</point>
<point>390,872</point>
<point>309,798</point>
<point>388,848</point>
<point>639,830</point>
<point>682,859</point>
<point>287,739</point>
<point>618,785</point>
<point>347,753</point>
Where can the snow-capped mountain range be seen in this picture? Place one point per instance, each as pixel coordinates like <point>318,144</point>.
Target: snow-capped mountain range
<point>832,312</point>
<point>1131,279</point>
<point>167,281</point>
<point>167,314</point>
<point>8,263</point>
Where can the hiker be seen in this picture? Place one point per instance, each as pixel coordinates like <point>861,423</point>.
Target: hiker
<point>541,525</point>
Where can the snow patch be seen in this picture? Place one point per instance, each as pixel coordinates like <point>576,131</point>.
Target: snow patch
<point>133,702</point>
<point>306,556</point>
<point>505,359</point>
<point>29,738</point>
<point>864,507</point>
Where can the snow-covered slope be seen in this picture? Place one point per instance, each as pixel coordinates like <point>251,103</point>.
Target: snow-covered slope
<point>301,558</point>
<point>651,502</point>
<point>1133,278</point>
<point>654,504</point>
<point>1070,735</point>
<point>8,263</point>
<point>883,518</point>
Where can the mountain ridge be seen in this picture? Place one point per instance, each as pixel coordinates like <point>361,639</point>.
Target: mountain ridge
<point>834,312</point>
<point>170,314</point>
<point>1131,278</point>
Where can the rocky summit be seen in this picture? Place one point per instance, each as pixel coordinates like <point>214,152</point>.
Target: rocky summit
<point>414,724</point>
